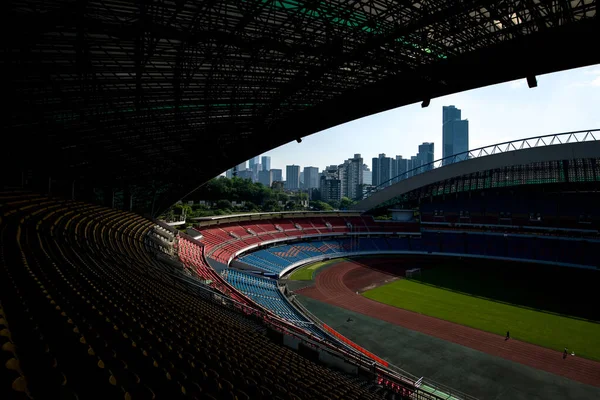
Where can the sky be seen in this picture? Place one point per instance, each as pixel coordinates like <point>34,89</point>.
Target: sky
<point>562,102</point>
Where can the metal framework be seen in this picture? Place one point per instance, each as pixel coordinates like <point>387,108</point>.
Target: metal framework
<point>519,144</point>
<point>149,95</point>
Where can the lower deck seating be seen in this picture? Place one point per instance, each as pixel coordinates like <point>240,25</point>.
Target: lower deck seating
<point>87,312</point>
<point>264,291</point>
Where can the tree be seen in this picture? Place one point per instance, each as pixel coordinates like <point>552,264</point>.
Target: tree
<point>335,204</point>
<point>271,206</point>
<point>250,206</point>
<point>224,205</point>
<point>292,206</point>
<point>346,202</point>
<point>320,206</point>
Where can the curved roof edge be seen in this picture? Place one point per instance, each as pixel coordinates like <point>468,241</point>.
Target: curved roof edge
<point>518,157</point>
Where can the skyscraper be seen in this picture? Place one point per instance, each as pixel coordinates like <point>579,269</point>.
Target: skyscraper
<point>277,175</point>
<point>253,161</point>
<point>292,177</point>
<point>413,163</point>
<point>240,167</point>
<point>367,175</point>
<point>266,163</point>
<point>382,170</point>
<point>353,177</point>
<point>455,133</point>
<point>254,167</point>
<point>425,156</point>
<point>265,177</point>
<point>330,184</point>
<point>311,177</point>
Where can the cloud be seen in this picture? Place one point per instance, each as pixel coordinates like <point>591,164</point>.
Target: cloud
<point>596,82</point>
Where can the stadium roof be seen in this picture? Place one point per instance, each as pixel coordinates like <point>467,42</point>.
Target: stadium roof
<point>167,94</point>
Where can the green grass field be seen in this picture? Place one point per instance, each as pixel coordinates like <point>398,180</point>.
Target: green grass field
<point>307,272</point>
<point>544,329</point>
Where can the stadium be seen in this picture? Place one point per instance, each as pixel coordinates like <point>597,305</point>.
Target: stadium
<point>117,111</point>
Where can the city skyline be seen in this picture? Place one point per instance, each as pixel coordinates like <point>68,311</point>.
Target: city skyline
<point>563,101</point>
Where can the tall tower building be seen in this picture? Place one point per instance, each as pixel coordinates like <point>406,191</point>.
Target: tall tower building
<point>254,167</point>
<point>252,162</point>
<point>266,163</point>
<point>353,177</point>
<point>265,177</point>
<point>311,177</point>
<point>241,167</point>
<point>382,170</point>
<point>330,184</point>
<point>367,175</point>
<point>278,175</point>
<point>455,132</point>
<point>292,177</point>
<point>425,156</point>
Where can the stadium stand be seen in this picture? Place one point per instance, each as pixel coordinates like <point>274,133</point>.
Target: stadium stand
<point>222,242</point>
<point>563,251</point>
<point>264,291</point>
<point>86,312</point>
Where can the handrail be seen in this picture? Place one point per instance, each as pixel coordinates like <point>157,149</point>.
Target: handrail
<point>538,141</point>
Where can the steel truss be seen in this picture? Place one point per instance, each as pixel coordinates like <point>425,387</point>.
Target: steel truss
<point>179,91</point>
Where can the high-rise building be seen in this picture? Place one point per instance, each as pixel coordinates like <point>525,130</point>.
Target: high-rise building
<point>265,177</point>
<point>254,167</point>
<point>229,173</point>
<point>311,177</point>
<point>382,170</point>
<point>330,185</point>
<point>240,167</point>
<point>253,161</point>
<point>245,174</point>
<point>277,175</point>
<point>367,175</point>
<point>455,133</point>
<point>266,163</point>
<point>352,177</point>
<point>402,165</point>
<point>396,164</point>
<point>413,165</point>
<point>301,179</point>
<point>292,177</point>
<point>425,156</point>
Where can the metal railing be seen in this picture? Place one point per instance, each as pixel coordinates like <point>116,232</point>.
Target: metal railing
<point>514,145</point>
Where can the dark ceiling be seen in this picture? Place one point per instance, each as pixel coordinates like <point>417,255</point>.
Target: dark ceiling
<point>160,96</point>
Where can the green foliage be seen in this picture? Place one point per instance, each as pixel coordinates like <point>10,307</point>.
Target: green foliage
<point>235,189</point>
<point>320,206</point>
<point>346,202</point>
<point>293,206</point>
<point>385,217</point>
<point>224,205</point>
<point>335,204</point>
<point>271,206</point>
<point>221,192</point>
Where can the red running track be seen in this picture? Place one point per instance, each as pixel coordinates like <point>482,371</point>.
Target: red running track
<point>332,287</point>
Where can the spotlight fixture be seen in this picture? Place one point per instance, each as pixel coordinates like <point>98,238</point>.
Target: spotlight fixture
<point>299,140</point>
<point>425,103</point>
<point>531,81</point>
